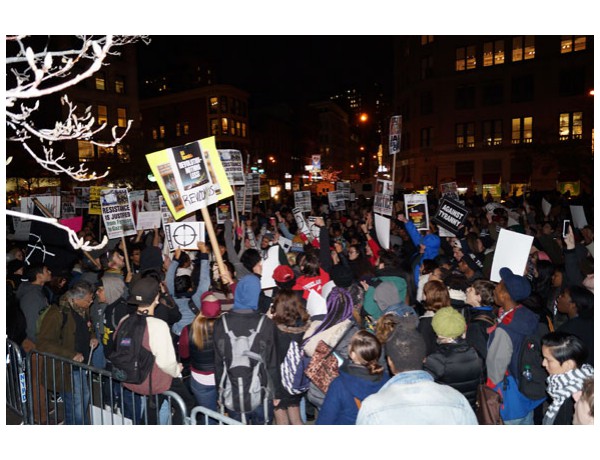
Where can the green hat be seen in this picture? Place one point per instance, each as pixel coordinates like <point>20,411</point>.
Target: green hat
<point>448,322</point>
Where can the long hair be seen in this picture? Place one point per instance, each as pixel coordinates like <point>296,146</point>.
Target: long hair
<point>201,330</point>
<point>368,351</point>
<point>339,308</point>
<point>288,308</point>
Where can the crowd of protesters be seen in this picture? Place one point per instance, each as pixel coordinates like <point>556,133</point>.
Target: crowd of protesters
<point>416,327</point>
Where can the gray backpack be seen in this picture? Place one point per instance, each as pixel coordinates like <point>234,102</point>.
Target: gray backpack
<point>241,389</point>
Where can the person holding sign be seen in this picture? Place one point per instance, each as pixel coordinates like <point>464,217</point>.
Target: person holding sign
<point>428,245</point>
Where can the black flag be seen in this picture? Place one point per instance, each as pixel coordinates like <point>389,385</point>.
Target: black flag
<point>49,245</point>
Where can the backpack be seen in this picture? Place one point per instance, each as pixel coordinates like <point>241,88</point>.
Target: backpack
<point>131,362</point>
<point>530,355</point>
<point>241,389</point>
<point>293,378</point>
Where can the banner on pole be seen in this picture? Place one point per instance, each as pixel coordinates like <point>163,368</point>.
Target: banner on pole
<point>116,212</point>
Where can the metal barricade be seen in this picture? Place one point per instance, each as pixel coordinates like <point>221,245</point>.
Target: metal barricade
<point>16,386</point>
<point>211,415</point>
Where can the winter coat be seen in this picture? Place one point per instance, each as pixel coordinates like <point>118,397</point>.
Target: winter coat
<point>458,365</point>
<point>32,301</point>
<point>346,393</point>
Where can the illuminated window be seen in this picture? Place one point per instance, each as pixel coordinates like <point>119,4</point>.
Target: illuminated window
<point>493,53</point>
<point>492,132</point>
<point>120,85</point>
<point>155,134</point>
<point>100,82</point>
<point>86,150</point>
<point>224,126</point>
<point>214,126</point>
<point>570,126</point>
<point>232,130</point>
<point>465,58</point>
<point>178,129</point>
<point>238,128</point>
<point>121,117</point>
<point>186,128</point>
<point>105,152</point>
<point>570,43</point>
<point>522,130</point>
<point>102,114</point>
<point>213,105</point>
<point>426,39</point>
<point>243,129</point>
<point>523,48</point>
<point>465,135</point>
<point>123,154</point>
<point>161,131</point>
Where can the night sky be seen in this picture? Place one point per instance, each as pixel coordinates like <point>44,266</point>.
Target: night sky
<point>286,68</point>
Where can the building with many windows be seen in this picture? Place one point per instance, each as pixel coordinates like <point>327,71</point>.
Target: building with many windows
<point>495,113</point>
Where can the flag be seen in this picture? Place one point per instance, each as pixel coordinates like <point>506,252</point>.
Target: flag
<point>49,245</point>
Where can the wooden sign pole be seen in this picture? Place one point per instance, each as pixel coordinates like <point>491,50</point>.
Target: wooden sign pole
<point>126,255</point>
<point>213,240</point>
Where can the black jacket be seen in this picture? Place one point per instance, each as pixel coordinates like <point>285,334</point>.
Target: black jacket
<point>458,365</point>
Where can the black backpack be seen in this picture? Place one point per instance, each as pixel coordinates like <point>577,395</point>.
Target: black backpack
<point>131,362</point>
<point>530,357</point>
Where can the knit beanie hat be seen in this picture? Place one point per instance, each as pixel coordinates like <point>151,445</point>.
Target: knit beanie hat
<point>247,292</point>
<point>114,287</point>
<point>448,322</point>
<point>342,276</point>
<point>385,295</point>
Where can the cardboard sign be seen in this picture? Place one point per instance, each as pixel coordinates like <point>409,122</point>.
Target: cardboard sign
<point>116,212</point>
<point>416,210</point>
<point>233,164</point>
<point>303,201</point>
<point>578,214</point>
<point>450,215</point>
<point>184,235</point>
<point>190,177</point>
<point>512,251</point>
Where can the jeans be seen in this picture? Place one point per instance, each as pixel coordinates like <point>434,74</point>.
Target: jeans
<point>527,420</point>
<point>255,417</point>
<point>206,396</point>
<point>77,401</point>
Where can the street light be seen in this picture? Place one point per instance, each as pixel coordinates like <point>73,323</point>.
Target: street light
<point>363,117</point>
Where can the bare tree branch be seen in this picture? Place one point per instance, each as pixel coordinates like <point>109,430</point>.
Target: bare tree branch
<point>44,72</point>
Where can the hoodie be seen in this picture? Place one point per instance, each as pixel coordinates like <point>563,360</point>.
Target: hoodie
<point>346,393</point>
<point>431,243</point>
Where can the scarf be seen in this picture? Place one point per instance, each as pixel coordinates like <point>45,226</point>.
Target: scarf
<point>563,386</point>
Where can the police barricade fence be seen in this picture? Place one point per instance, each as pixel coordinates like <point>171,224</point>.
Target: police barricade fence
<point>48,389</point>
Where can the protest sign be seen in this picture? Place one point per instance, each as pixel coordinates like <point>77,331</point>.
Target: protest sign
<point>285,243</point>
<point>116,212</point>
<point>264,192</point>
<point>136,200</point>
<point>243,200</point>
<point>165,213</point>
<point>153,203</point>
<point>302,200</point>
<point>253,183</point>
<point>416,210</point>
<point>336,201</point>
<point>512,251</point>
<point>301,221</point>
<point>449,189</point>
<point>395,133</point>
<point>382,229</point>
<point>384,186</point>
<point>94,207</point>
<point>268,267</point>
<point>67,204</point>
<point>223,212</point>
<point>82,197</point>
<point>190,177</point>
<point>184,235</point>
<point>344,188</point>
<point>546,207</point>
<point>383,203</point>
<point>233,164</point>
<point>50,202</point>
<point>148,220</point>
<point>315,230</point>
<point>578,215</point>
<point>450,215</point>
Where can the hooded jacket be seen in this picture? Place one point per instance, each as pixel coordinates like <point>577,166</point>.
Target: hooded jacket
<point>431,243</point>
<point>347,392</point>
<point>32,301</point>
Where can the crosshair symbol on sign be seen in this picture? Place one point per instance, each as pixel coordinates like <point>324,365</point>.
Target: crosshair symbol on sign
<point>184,235</point>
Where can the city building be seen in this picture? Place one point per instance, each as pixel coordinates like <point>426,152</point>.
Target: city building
<point>495,113</point>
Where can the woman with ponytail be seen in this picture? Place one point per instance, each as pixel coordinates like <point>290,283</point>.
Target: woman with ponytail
<point>360,376</point>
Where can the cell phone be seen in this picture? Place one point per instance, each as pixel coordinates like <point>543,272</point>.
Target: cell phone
<point>566,224</point>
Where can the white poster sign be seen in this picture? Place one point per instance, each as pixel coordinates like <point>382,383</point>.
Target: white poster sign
<point>546,207</point>
<point>184,235</point>
<point>382,228</point>
<point>302,200</point>
<point>116,212</point>
<point>512,251</point>
<point>148,220</point>
<point>233,164</point>
<point>578,214</point>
